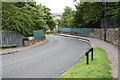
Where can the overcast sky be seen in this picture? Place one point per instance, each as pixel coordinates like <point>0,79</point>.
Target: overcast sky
<point>57,6</point>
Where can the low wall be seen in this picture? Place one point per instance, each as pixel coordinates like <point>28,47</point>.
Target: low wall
<point>36,41</point>
<point>112,35</point>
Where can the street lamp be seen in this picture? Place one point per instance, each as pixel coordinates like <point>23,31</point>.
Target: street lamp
<point>104,20</point>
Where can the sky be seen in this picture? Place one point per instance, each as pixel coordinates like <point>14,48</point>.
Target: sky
<point>57,6</point>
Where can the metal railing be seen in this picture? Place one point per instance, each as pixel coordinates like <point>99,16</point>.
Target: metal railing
<point>87,55</point>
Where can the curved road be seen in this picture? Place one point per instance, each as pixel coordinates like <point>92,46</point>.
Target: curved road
<point>47,61</point>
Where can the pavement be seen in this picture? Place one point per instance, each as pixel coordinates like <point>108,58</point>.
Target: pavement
<point>50,60</point>
<point>111,50</point>
<point>14,50</point>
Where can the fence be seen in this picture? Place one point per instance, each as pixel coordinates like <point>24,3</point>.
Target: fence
<point>77,30</point>
<point>39,34</point>
<point>10,39</point>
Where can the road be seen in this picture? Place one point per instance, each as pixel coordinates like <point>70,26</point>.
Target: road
<point>47,61</point>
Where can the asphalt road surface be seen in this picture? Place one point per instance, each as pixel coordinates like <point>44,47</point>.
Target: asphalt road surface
<point>47,61</point>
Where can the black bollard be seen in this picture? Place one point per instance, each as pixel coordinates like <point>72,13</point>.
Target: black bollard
<point>87,57</point>
<point>92,53</point>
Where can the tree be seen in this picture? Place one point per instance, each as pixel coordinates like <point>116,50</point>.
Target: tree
<point>58,21</point>
<point>67,17</point>
<point>48,17</point>
<point>25,17</point>
<point>15,18</point>
<point>89,14</point>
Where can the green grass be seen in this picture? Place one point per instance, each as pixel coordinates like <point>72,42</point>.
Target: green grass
<point>97,68</point>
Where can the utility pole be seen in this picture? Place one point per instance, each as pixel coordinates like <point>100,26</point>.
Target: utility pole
<point>104,20</point>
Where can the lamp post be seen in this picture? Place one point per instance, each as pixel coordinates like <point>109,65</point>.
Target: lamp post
<point>104,19</point>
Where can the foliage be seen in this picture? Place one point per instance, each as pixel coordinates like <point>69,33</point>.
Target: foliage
<point>25,17</point>
<point>58,21</point>
<point>90,13</point>
<point>52,24</point>
<point>67,17</point>
<point>98,68</point>
<point>48,17</point>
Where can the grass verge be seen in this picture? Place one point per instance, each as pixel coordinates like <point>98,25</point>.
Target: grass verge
<point>97,68</point>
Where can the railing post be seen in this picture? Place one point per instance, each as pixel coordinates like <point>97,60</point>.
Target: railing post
<point>92,53</point>
<point>87,57</point>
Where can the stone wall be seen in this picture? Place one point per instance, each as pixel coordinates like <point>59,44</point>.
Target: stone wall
<point>112,35</point>
<point>35,42</point>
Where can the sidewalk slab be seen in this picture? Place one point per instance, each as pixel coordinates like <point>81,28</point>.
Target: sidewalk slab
<point>111,50</point>
<point>12,50</point>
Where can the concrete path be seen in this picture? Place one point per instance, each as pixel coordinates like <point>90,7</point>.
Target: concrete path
<point>47,61</point>
<point>111,50</point>
<point>12,50</point>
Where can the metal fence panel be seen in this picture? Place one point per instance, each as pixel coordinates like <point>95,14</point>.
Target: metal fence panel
<point>77,30</point>
<point>38,34</point>
<point>10,38</point>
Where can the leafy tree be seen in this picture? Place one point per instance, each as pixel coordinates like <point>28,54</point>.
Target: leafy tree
<point>67,17</point>
<point>48,17</point>
<point>25,17</point>
<point>90,13</point>
<point>15,18</point>
<point>38,18</point>
<point>59,21</point>
<point>52,24</point>
<point>78,16</point>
